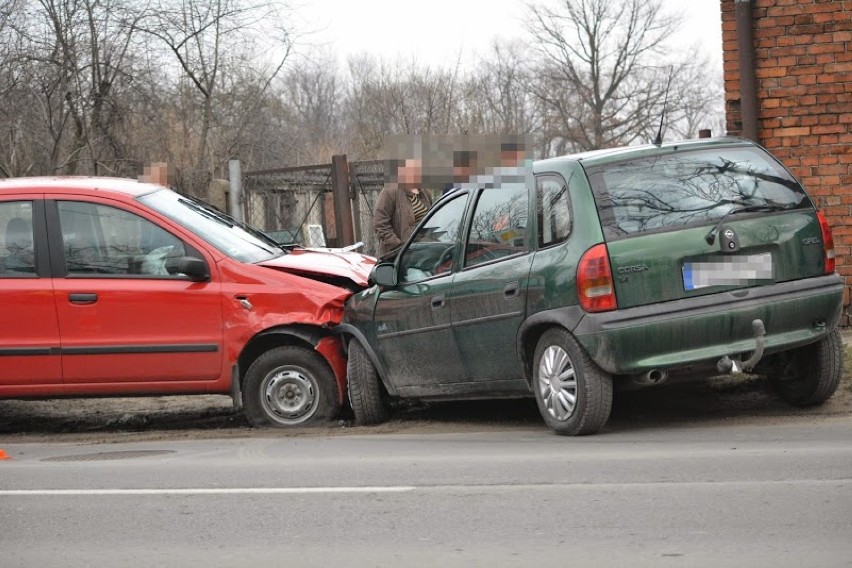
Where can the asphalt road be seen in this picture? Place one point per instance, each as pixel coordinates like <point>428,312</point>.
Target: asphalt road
<point>761,494</point>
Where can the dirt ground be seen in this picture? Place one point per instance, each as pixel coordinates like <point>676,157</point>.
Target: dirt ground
<point>104,420</point>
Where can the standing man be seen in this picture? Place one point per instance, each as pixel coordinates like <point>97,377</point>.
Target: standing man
<point>400,207</point>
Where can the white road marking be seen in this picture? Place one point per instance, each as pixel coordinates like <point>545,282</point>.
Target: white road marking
<point>206,491</point>
<point>497,487</point>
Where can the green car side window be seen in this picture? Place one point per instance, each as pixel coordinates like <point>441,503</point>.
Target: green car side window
<point>499,224</point>
<point>434,246</point>
<point>553,209</point>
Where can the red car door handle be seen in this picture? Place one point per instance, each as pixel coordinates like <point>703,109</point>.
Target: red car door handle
<point>81,298</point>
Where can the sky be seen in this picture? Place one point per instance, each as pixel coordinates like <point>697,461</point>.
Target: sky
<point>442,32</point>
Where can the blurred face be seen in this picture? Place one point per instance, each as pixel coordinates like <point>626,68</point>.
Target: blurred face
<point>462,173</point>
<point>511,157</point>
<point>157,172</point>
<point>411,173</point>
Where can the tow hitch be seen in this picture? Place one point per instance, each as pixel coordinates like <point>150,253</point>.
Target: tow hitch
<point>727,365</point>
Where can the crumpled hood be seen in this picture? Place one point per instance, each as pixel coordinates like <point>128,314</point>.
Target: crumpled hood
<point>325,262</point>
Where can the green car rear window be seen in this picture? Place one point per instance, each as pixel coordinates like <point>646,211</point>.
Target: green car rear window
<point>687,188</point>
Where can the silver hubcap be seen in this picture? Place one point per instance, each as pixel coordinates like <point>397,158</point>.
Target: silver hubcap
<point>289,395</point>
<point>557,383</point>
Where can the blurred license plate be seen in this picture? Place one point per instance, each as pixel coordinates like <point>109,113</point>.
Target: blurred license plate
<point>727,271</point>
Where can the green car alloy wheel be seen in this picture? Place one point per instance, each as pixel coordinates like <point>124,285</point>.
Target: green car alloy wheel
<point>574,396</point>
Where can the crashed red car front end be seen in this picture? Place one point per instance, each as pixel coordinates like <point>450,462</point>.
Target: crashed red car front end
<point>113,287</point>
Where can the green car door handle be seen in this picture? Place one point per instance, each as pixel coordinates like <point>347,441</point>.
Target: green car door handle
<point>511,290</point>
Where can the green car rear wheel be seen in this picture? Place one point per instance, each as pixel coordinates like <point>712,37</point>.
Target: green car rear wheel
<point>574,395</point>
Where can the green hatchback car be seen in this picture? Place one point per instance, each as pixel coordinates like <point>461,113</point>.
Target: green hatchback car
<point>634,264</point>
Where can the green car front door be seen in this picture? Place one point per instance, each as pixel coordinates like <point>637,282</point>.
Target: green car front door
<point>412,319</point>
<point>415,339</point>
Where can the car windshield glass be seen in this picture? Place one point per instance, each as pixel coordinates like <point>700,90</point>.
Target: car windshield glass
<point>690,188</point>
<point>215,228</point>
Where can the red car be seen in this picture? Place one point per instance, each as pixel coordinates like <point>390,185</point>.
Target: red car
<point>115,287</point>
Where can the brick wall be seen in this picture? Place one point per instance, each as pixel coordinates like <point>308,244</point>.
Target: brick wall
<point>803,69</point>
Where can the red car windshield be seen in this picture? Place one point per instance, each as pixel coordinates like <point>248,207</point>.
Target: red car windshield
<point>226,235</point>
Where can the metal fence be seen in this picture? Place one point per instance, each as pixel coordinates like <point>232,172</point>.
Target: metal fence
<point>283,201</point>
<point>366,181</point>
<point>297,204</point>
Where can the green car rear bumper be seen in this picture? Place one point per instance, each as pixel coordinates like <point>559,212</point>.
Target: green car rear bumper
<point>703,329</point>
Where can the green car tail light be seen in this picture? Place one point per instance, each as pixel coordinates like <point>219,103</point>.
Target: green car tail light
<point>594,281</point>
<point>827,243</point>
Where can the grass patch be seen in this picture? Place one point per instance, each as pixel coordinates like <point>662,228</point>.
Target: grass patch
<point>847,368</point>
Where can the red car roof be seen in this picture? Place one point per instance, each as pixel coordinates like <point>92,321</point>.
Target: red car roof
<point>125,186</point>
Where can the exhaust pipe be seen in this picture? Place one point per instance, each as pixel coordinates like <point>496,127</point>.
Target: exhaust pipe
<point>652,377</point>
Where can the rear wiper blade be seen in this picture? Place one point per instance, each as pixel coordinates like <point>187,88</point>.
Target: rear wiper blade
<point>711,236</point>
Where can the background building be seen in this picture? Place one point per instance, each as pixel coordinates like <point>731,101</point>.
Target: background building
<point>788,86</point>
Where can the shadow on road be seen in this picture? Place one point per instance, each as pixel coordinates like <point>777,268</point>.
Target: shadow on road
<point>676,404</point>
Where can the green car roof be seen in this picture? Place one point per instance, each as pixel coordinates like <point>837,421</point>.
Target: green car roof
<point>610,155</point>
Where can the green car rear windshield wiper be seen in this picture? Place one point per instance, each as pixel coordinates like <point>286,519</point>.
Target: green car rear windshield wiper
<point>711,236</point>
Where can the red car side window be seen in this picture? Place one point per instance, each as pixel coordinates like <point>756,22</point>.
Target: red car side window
<point>17,252</point>
<point>99,239</point>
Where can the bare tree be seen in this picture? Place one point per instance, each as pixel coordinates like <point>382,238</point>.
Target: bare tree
<point>210,40</point>
<point>396,98</point>
<point>601,61</point>
<point>497,96</point>
<point>94,38</point>
<point>13,160</point>
<point>69,58</point>
<point>105,86</point>
<point>312,98</point>
<point>696,99</point>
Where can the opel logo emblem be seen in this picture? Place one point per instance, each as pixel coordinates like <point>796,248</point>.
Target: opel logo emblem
<point>729,234</point>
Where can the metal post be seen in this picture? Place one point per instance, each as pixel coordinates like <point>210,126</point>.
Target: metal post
<point>356,204</point>
<point>342,205</point>
<point>235,196</point>
<point>748,83</point>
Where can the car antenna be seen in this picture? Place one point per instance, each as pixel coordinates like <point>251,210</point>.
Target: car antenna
<point>658,141</point>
